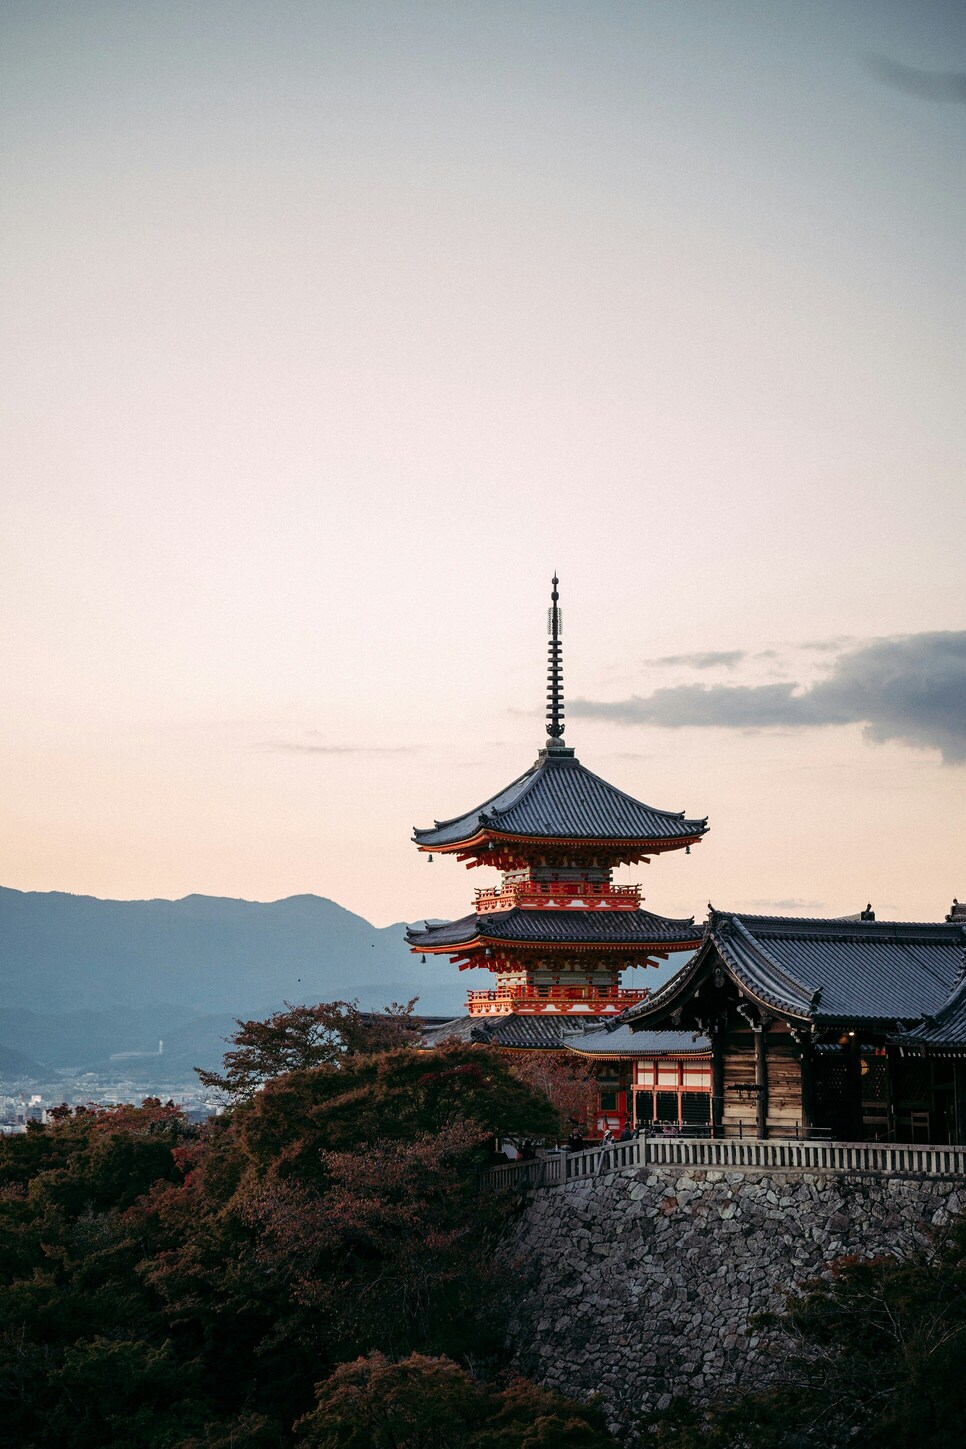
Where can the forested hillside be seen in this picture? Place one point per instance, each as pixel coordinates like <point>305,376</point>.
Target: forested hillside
<point>315,1267</point>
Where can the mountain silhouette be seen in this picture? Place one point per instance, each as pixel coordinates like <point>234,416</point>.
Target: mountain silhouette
<point>209,954</point>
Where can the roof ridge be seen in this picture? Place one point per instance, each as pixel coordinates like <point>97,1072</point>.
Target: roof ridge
<point>846,927</point>
<point>478,809</point>
<point>666,988</point>
<point>766,958</point>
<point>535,771</point>
<point>654,809</point>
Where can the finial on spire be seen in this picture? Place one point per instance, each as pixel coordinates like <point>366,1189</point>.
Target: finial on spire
<point>555,701</point>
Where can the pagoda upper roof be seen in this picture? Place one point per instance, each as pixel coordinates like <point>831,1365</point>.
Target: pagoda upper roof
<point>558,799</point>
<point>582,928</point>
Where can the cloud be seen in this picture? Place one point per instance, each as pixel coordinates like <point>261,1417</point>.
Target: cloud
<point>835,645</point>
<point>288,747</point>
<point>926,85</point>
<point>711,659</point>
<point>911,689</point>
<point>789,903</point>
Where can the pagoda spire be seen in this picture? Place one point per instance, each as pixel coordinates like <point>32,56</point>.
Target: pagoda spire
<point>555,699</point>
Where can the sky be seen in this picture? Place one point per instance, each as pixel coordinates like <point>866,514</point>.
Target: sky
<point>331,329</point>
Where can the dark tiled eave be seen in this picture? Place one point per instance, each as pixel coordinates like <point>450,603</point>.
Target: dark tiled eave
<point>610,1041</point>
<point>558,800</point>
<point>560,928</point>
<point>526,1031</point>
<point>945,1033</point>
<point>825,972</point>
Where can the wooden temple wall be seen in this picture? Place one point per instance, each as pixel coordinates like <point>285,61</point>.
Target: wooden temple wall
<point>738,1108</point>
<point>784,1081</point>
<point>746,1069</point>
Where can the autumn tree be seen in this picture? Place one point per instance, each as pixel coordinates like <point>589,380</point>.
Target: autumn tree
<point>167,1285</point>
<point>303,1037</point>
<point>568,1081</point>
<point>433,1403</point>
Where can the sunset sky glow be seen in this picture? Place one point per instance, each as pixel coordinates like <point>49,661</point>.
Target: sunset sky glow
<point>332,329</point>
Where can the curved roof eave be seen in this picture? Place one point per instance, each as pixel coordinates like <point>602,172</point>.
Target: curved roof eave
<point>473,817</point>
<point>640,930</point>
<point>573,804</point>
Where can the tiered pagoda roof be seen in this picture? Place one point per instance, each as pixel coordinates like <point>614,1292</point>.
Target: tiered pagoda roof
<point>558,931</point>
<point>559,801</point>
<point>550,929</point>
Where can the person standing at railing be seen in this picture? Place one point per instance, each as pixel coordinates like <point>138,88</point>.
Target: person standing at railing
<point>575,1142</point>
<point>627,1132</point>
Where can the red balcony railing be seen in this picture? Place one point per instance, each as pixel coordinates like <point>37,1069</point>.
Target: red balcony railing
<point>559,895</point>
<point>555,1001</point>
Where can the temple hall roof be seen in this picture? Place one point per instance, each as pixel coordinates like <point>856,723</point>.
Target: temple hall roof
<point>604,928</point>
<point>558,799</point>
<point>945,1032</point>
<point>867,972</point>
<point>621,1041</point>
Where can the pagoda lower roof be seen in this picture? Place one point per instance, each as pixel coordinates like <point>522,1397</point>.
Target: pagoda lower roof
<point>555,928</point>
<point>587,1035</point>
<point>559,800</point>
<point>531,1032</point>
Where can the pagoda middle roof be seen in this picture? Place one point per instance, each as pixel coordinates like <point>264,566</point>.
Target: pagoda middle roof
<point>558,799</point>
<point>604,928</point>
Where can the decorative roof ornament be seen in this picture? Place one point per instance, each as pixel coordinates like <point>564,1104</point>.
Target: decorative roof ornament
<point>555,699</point>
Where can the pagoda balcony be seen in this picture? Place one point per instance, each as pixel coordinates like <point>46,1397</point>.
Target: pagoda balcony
<point>562,895</point>
<point>556,1001</point>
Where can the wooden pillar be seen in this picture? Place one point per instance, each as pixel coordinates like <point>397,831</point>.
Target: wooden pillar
<point>959,1087</point>
<point>717,1079</point>
<point>807,1083</point>
<point>893,1059</point>
<point>853,1089</point>
<point>761,1079</point>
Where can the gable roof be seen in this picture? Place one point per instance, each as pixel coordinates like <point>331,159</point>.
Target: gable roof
<point>558,799</point>
<point>882,973</point>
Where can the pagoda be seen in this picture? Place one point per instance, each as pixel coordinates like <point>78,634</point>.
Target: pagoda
<point>557,932</point>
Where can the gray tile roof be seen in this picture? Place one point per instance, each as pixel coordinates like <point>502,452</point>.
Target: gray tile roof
<point>550,1032</point>
<point>827,971</point>
<point>946,1031</point>
<point>558,799</point>
<point>623,1042</point>
<point>605,928</point>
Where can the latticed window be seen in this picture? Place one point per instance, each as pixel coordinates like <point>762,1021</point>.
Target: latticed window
<point>682,1090</point>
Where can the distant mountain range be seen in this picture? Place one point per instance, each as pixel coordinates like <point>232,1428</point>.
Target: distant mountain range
<point>83,979</point>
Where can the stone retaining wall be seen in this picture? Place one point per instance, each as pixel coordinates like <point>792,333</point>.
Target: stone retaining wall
<point>638,1285</point>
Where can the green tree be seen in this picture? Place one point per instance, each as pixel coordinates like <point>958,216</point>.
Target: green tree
<point>302,1037</point>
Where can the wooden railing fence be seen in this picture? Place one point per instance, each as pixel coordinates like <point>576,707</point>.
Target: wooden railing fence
<point>732,1153</point>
